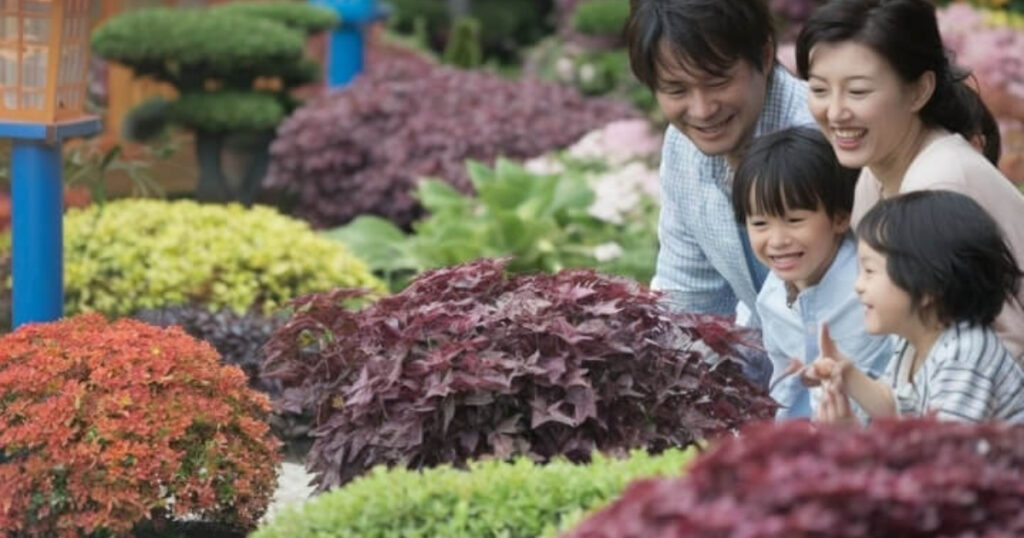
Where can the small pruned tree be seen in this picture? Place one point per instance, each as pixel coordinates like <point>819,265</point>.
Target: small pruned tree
<point>234,67</point>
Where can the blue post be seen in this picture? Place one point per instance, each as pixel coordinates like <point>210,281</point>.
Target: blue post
<point>37,233</point>
<point>346,49</point>
<point>37,236</point>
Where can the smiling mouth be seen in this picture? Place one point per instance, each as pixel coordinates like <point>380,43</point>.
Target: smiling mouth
<point>849,135</point>
<point>785,260</point>
<point>712,127</point>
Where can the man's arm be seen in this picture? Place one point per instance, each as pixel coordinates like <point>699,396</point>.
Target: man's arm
<point>683,272</point>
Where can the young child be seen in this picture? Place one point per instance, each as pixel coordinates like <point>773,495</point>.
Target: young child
<point>935,272</point>
<point>795,201</point>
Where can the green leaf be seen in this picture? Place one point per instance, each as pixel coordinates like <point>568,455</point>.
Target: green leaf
<point>377,241</point>
<point>439,196</point>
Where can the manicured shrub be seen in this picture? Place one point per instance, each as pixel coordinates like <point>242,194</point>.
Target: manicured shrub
<point>131,255</point>
<point>545,222</point>
<point>493,499</point>
<point>467,362</point>
<point>463,48</point>
<point>239,339</point>
<point>916,478</point>
<point>362,150</point>
<point>107,425</point>
<point>234,68</point>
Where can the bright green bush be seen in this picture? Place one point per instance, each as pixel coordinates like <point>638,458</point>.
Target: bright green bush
<point>601,17</point>
<point>133,254</point>
<point>493,499</point>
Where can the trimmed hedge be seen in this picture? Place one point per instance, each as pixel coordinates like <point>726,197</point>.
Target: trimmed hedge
<point>227,111</point>
<point>130,255</point>
<point>493,499</point>
<point>215,43</point>
<point>298,15</point>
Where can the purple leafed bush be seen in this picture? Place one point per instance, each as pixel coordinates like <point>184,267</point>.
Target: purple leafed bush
<point>362,150</point>
<point>467,362</point>
<point>909,479</point>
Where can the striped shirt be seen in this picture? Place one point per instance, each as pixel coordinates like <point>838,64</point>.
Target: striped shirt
<point>968,375</point>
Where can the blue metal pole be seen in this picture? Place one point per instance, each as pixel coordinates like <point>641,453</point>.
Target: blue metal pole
<point>37,233</point>
<point>345,54</point>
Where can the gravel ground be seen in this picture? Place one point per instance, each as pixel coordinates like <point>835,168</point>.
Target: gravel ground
<point>292,488</point>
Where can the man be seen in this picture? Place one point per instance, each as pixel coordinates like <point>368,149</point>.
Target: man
<point>711,65</point>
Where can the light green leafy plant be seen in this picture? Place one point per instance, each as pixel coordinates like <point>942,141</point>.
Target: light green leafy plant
<point>542,221</point>
<point>493,499</point>
<point>133,254</point>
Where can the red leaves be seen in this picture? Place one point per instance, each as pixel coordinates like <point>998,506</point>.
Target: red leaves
<point>467,362</point>
<point>101,424</point>
<point>362,150</point>
<point>912,479</point>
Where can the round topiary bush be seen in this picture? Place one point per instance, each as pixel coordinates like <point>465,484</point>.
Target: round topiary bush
<point>467,362</point>
<point>519,499</point>
<point>130,255</point>
<point>914,479</point>
<point>105,426</point>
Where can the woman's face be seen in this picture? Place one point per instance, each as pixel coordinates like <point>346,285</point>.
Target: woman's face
<point>868,113</point>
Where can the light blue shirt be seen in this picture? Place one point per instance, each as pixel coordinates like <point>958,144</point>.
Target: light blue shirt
<point>792,331</point>
<point>704,263</point>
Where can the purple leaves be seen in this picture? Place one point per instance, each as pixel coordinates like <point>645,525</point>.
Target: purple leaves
<point>914,479</point>
<point>467,362</point>
<point>362,150</point>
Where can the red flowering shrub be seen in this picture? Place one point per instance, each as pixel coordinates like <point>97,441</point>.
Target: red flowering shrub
<point>107,425</point>
<point>908,479</point>
<point>362,150</point>
<point>467,362</point>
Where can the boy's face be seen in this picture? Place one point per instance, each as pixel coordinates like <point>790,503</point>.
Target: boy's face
<point>798,246</point>
<point>887,307</point>
<point>717,113</point>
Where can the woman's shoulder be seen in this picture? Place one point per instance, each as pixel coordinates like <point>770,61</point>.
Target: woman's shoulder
<point>948,161</point>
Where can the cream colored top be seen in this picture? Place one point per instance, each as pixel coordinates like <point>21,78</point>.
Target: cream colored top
<point>949,162</point>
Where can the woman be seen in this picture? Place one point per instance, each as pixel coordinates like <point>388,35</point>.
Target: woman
<point>885,94</point>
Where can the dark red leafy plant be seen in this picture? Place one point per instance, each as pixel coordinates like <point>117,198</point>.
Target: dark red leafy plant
<point>363,149</point>
<point>468,362</point>
<point>897,479</point>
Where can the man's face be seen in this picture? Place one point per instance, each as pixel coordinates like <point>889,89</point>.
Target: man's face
<point>716,112</point>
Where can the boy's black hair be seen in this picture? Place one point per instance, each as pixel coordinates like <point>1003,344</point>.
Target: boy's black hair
<point>708,34</point>
<point>943,245</point>
<point>794,168</point>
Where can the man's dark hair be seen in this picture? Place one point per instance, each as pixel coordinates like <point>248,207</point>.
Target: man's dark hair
<point>944,245</point>
<point>707,34</point>
<point>794,168</point>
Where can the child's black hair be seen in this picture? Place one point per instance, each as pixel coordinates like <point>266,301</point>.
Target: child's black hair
<point>944,246</point>
<point>794,168</point>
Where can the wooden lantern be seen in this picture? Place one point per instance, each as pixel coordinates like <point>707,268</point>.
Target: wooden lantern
<point>44,55</point>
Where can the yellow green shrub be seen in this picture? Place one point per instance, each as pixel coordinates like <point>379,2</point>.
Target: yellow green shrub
<point>133,254</point>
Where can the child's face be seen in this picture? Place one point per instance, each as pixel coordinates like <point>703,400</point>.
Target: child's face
<point>887,307</point>
<point>798,246</point>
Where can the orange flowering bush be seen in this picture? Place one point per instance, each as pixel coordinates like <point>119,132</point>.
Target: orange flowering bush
<point>107,425</point>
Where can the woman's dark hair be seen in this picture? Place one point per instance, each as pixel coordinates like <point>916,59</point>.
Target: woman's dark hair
<point>943,245</point>
<point>794,168</point>
<point>906,34</point>
<point>708,34</point>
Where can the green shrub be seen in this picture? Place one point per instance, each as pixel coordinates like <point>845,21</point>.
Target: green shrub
<point>542,221</point>
<point>297,15</point>
<point>601,17</point>
<point>493,499</point>
<point>133,254</point>
<point>223,61</point>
